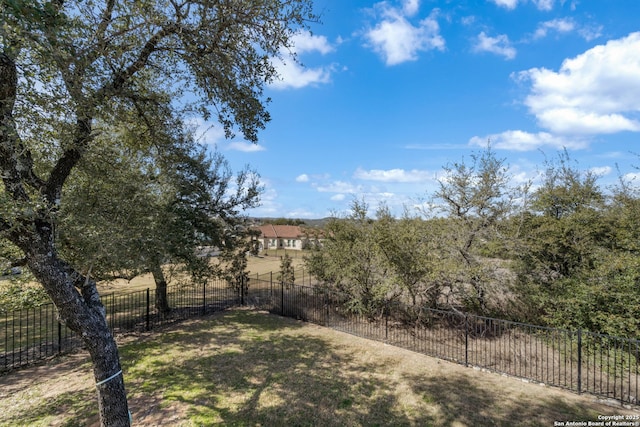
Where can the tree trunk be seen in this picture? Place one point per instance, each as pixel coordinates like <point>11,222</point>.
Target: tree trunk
<point>162,302</point>
<point>79,307</point>
<point>75,296</point>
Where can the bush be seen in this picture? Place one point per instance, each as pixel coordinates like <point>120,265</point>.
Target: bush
<point>17,295</point>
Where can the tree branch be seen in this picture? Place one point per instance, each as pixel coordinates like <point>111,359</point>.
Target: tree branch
<point>120,78</point>
<point>82,137</point>
<point>68,161</point>
<point>101,41</point>
<point>15,159</point>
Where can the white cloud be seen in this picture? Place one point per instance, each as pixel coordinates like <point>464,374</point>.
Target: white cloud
<point>509,4</point>
<point>292,74</point>
<point>499,45</point>
<point>556,25</point>
<point>302,178</point>
<point>393,175</point>
<point>395,188</point>
<point>244,146</point>
<point>567,25</point>
<point>517,140</point>
<point>300,213</point>
<point>520,177</point>
<point>601,170</point>
<point>577,121</point>
<point>632,178</point>
<point>339,187</point>
<point>545,5</point>
<point>411,7</point>
<point>597,92</point>
<point>209,134</point>
<point>307,42</point>
<point>205,133</point>
<point>468,20</point>
<point>397,40</point>
<point>591,32</point>
<point>268,200</point>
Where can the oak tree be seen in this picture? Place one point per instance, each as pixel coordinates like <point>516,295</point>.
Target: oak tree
<point>161,202</point>
<point>66,70</point>
<point>475,197</point>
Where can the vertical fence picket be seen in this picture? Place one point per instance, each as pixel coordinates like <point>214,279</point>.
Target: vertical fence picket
<point>466,340</point>
<point>282,298</point>
<point>20,337</point>
<point>42,335</point>
<point>6,342</point>
<point>60,349</point>
<point>204,297</point>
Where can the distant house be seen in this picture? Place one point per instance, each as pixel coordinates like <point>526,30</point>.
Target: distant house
<point>282,237</point>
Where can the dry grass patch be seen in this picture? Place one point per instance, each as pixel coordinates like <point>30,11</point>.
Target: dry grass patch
<point>250,368</point>
<point>256,265</point>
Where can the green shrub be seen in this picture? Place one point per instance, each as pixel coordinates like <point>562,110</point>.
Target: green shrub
<point>17,295</point>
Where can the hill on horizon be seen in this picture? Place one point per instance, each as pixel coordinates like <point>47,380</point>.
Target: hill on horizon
<point>315,223</point>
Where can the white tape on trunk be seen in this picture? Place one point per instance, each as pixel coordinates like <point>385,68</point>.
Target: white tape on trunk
<point>110,378</point>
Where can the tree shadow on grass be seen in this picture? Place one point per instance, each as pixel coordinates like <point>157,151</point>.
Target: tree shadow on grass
<point>257,369</point>
<point>459,400</point>
<point>249,368</point>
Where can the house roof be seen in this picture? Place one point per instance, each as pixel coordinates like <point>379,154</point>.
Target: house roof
<point>270,231</point>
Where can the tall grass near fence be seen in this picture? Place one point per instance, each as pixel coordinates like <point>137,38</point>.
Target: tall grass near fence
<point>580,361</point>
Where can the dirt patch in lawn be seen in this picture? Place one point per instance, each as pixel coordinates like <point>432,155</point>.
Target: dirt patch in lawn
<point>243,367</point>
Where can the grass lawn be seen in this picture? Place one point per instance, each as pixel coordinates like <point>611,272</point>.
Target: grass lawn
<point>249,368</point>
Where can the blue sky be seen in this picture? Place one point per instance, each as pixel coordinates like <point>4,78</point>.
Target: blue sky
<point>392,91</point>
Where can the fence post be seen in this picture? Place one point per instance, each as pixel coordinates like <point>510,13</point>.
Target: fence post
<point>148,316</point>
<point>466,340</point>
<point>579,361</point>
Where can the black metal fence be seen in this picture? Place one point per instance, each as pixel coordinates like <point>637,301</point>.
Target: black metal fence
<point>300,274</point>
<point>579,361</point>
<point>29,335</point>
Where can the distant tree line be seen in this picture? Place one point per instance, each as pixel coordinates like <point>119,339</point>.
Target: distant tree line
<point>565,253</point>
<point>283,221</point>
